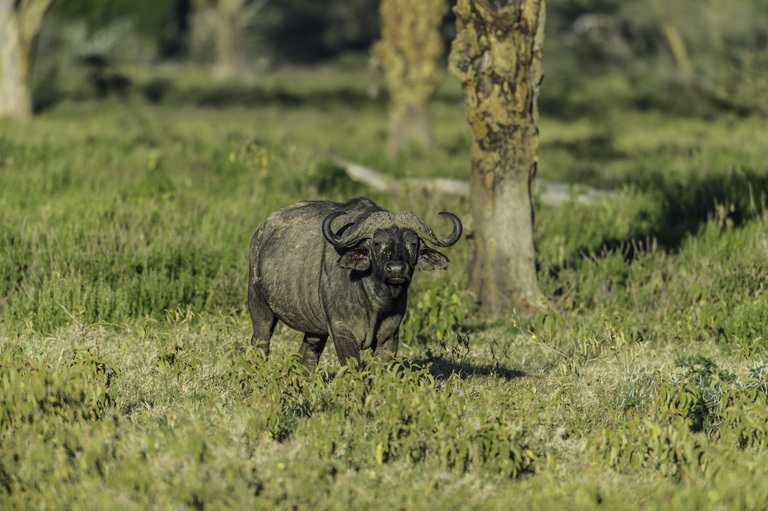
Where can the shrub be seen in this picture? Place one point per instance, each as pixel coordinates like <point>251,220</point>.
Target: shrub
<point>747,328</point>
<point>75,387</point>
<point>668,419</point>
<point>435,309</point>
<point>402,412</point>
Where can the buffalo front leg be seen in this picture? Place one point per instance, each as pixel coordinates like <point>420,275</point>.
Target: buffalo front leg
<point>346,349</point>
<point>311,349</point>
<point>262,318</point>
<point>387,350</point>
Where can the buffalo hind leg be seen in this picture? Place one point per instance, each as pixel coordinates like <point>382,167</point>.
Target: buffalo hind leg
<point>311,349</point>
<point>262,318</point>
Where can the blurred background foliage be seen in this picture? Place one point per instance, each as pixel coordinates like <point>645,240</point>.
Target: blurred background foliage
<point>682,56</point>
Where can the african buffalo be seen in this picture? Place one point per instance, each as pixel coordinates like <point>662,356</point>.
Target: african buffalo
<point>349,281</point>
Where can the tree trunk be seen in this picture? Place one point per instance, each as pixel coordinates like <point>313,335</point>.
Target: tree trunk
<point>20,22</point>
<point>176,43</point>
<point>409,125</point>
<point>14,90</point>
<point>410,51</point>
<point>497,57</point>
<point>230,37</point>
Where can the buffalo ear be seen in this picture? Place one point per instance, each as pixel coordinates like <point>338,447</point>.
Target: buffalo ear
<point>432,260</point>
<point>356,259</point>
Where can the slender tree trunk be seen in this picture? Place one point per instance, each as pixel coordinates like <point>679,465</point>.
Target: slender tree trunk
<point>679,50</point>
<point>230,37</point>
<point>14,90</point>
<point>20,22</point>
<point>410,51</point>
<point>497,57</point>
<point>674,40</point>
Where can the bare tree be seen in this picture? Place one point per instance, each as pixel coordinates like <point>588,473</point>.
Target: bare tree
<point>410,51</point>
<point>497,57</point>
<point>20,21</point>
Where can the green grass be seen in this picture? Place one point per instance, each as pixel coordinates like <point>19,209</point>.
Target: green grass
<point>126,379</point>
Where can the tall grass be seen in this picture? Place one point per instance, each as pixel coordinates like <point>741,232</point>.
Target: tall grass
<point>126,379</point>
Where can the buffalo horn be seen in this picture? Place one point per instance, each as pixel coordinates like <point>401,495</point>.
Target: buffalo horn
<point>410,220</point>
<point>358,231</point>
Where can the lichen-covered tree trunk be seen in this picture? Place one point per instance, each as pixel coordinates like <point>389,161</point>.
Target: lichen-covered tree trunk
<point>20,22</point>
<point>497,57</point>
<point>410,51</point>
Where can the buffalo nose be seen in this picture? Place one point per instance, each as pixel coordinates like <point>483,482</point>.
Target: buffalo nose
<point>395,267</point>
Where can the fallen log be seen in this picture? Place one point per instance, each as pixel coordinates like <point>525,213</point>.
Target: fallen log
<point>552,193</point>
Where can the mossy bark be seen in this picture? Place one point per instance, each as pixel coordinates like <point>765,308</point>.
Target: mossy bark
<point>497,57</point>
<point>20,21</point>
<point>410,51</point>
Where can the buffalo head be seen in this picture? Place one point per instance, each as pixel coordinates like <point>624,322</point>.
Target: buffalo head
<point>390,246</point>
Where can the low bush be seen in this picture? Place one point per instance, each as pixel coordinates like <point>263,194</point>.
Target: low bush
<point>669,420</point>
<point>401,411</point>
<point>34,389</point>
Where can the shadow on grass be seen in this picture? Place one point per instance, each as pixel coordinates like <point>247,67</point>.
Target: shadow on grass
<point>219,94</point>
<point>213,95</point>
<point>737,198</point>
<point>442,368</point>
<point>253,95</point>
<point>248,96</point>
<point>598,147</point>
<point>680,209</point>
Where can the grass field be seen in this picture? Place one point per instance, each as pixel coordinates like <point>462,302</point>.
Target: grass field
<point>126,376</point>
